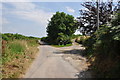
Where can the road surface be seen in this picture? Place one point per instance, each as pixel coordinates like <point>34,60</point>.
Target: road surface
<point>50,64</point>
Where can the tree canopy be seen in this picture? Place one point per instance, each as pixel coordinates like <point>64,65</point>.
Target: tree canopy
<point>60,28</point>
<point>88,17</point>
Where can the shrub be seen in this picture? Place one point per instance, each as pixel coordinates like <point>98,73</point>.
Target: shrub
<point>81,39</point>
<point>105,47</point>
<point>17,48</point>
<point>13,48</point>
<point>4,37</point>
<point>45,39</point>
<point>63,39</point>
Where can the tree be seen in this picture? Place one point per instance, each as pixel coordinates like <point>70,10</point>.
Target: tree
<point>88,18</point>
<point>60,28</point>
<point>115,28</point>
<point>104,45</point>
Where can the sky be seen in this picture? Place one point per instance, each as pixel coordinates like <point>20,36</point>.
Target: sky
<point>31,18</point>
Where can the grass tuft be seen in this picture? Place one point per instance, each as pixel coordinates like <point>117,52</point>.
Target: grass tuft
<point>62,45</point>
<point>17,47</point>
<point>17,56</point>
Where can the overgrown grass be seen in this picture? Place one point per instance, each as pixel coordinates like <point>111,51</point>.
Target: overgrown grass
<point>62,45</point>
<point>17,47</point>
<point>32,42</point>
<point>12,48</point>
<point>16,57</point>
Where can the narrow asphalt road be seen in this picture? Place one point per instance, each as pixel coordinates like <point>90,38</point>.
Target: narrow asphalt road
<point>49,64</point>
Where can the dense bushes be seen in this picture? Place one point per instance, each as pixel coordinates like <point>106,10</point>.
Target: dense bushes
<point>45,39</point>
<point>81,39</point>
<point>104,44</point>
<point>11,36</point>
<point>4,37</point>
<point>63,39</point>
<point>106,38</point>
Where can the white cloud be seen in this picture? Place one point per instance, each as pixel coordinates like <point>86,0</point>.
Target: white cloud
<point>40,16</point>
<point>53,0</point>
<point>15,0</point>
<point>84,9</point>
<point>29,11</point>
<point>70,9</point>
<point>23,5</point>
<point>5,21</point>
<point>0,6</point>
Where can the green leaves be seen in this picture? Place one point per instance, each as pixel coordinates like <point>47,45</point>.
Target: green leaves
<point>105,39</point>
<point>11,36</point>
<point>17,48</point>
<point>60,28</point>
<point>88,18</point>
<point>116,20</point>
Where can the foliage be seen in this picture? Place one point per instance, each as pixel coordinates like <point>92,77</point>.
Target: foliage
<point>17,55</point>
<point>17,52</point>
<point>104,44</point>
<point>45,39</point>
<point>11,36</point>
<point>62,45</point>
<point>60,28</point>
<point>88,18</point>
<point>12,48</point>
<point>63,39</point>
<point>81,39</point>
<point>75,36</point>
<point>116,20</point>
<point>13,44</point>
<point>16,47</point>
<point>4,37</point>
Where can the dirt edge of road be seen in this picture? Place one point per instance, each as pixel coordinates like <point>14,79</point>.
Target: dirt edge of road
<point>28,65</point>
<point>78,62</point>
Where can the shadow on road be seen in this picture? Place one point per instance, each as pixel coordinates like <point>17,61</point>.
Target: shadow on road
<point>88,73</point>
<point>73,51</point>
<point>79,52</point>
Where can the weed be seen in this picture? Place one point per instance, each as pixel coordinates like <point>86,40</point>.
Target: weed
<point>62,45</point>
<point>16,48</point>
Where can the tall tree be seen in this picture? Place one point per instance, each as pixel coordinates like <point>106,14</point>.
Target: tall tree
<point>88,17</point>
<point>60,28</point>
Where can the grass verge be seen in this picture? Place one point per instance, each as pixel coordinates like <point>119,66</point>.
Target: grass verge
<point>62,45</point>
<point>17,56</point>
